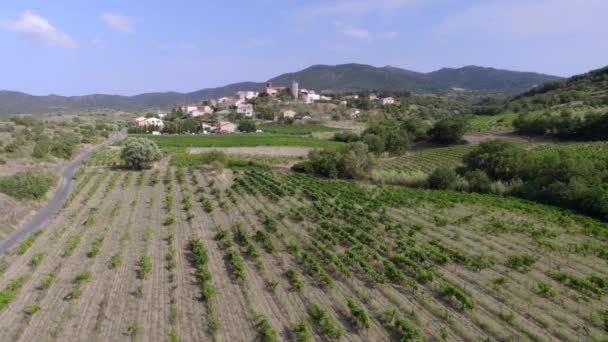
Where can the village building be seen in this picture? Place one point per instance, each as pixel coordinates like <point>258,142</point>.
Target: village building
<point>143,121</point>
<point>246,94</point>
<point>309,96</point>
<point>373,97</point>
<point>353,112</point>
<point>289,113</point>
<point>388,101</point>
<point>246,109</point>
<point>207,128</point>
<point>200,110</point>
<point>225,127</point>
<point>270,90</point>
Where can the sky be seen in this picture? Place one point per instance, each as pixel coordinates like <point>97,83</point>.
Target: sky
<point>128,47</point>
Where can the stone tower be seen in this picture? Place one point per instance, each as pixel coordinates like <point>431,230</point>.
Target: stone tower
<point>294,89</point>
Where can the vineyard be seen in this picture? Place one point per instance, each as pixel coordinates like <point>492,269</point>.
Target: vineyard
<point>492,122</point>
<point>169,142</point>
<point>186,254</point>
<point>427,160</point>
<point>298,129</point>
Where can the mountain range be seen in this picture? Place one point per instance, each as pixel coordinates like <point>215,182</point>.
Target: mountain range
<point>342,77</point>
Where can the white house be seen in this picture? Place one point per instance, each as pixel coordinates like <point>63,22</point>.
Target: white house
<point>309,96</point>
<point>353,112</point>
<point>246,94</point>
<point>270,90</point>
<point>201,110</point>
<point>142,121</point>
<point>226,127</point>
<point>188,108</point>
<point>289,113</point>
<point>246,109</point>
<point>388,101</point>
<point>373,97</point>
<point>208,128</point>
<point>350,97</point>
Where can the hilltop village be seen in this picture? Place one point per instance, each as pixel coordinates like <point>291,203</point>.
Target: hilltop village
<point>225,114</point>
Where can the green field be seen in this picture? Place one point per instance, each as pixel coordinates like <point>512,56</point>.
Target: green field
<point>237,140</point>
<point>427,160</point>
<point>297,129</point>
<point>594,150</point>
<point>492,122</point>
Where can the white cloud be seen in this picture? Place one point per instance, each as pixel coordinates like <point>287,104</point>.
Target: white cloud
<point>160,45</point>
<point>336,47</point>
<point>38,31</point>
<point>360,7</point>
<point>118,22</point>
<point>186,45</point>
<point>260,42</point>
<point>362,33</point>
<point>353,32</point>
<point>389,35</point>
<point>100,43</point>
<point>528,19</point>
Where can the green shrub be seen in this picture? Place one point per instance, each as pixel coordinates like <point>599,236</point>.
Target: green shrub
<point>82,277</point>
<point>25,186</point>
<point>47,281</point>
<point>302,331</point>
<point>31,309</point>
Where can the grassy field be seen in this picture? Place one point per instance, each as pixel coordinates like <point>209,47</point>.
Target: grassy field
<point>298,129</point>
<point>427,160</point>
<point>228,140</point>
<point>194,255</point>
<point>492,122</point>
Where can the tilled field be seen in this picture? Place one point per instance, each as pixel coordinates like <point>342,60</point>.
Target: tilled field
<point>192,255</point>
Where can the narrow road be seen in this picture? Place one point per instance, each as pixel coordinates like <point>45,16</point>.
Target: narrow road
<point>62,191</point>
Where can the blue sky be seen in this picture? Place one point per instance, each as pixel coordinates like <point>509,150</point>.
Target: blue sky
<point>75,47</point>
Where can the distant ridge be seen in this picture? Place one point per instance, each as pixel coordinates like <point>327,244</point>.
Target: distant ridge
<point>317,77</point>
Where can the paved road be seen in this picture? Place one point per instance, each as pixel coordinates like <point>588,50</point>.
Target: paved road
<point>63,190</point>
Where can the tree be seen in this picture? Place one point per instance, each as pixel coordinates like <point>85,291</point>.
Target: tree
<point>448,131</point>
<point>499,159</point>
<point>324,163</point>
<point>375,143</point>
<point>140,153</point>
<point>247,126</point>
<point>397,142</point>
<point>443,178</point>
<point>355,162</point>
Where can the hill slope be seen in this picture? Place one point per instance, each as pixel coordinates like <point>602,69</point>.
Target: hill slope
<point>358,76</point>
<point>480,78</point>
<point>317,77</point>
<point>589,87</point>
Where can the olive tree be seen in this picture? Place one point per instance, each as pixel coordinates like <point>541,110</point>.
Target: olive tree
<point>140,153</point>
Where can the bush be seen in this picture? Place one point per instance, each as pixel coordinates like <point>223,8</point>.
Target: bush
<point>140,153</point>
<point>247,126</point>
<point>25,186</point>
<point>375,143</point>
<point>352,161</point>
<point>41,148</point>
<point>443,178</point>
<point>478,181</point>
<point>64,146</point>
<point>448,131</point>
<point>346,137</point>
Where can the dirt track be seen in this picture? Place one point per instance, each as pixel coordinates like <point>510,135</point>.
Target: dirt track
<point>61,192</point>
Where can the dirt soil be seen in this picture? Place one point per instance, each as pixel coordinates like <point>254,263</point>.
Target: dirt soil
<point>289,151</point>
